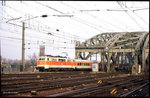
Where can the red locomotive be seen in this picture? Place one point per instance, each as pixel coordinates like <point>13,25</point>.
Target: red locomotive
<point>62,63</point>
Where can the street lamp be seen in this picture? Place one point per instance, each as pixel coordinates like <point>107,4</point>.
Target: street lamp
<point>23,40</point>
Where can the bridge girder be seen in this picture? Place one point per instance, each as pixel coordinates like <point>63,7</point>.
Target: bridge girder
<point>130,44</point>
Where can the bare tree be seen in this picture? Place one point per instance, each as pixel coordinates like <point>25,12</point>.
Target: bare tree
<point>33,59</point>
<point>31,63</point>
<point>16,64</point>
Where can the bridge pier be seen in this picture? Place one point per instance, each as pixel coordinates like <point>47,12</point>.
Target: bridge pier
<point>108,62</point>
<point>102,60</point>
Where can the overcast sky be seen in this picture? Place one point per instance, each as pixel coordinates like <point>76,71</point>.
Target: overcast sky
<point>67,22</point>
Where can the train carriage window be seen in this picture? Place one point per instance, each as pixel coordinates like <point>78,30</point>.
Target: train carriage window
<point>69,60</point>
<point>48,59</point>
<point>62,60</point>
<point>79,64</point>
<point>83,63</point>
<point>54,59</point>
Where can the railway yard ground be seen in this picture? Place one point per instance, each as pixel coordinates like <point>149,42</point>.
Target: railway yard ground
<point>74,84</point>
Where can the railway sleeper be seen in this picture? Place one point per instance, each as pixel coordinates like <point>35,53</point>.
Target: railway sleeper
<point>84,90</point>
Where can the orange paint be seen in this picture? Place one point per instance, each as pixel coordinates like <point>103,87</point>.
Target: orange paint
<point>55,63</point>
<point>76,63</point>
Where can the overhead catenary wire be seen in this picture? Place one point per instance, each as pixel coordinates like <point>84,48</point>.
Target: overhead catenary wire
<point>77,25</point>
<point>100,10</point>
<point>26,40</point>
<point>109,12</point>
<point>94,17</point>
<point>53,15</point>
<point>44,39</point>
<point>39,37</point>
<point>34,43</point>
<point>107,23</point>
<point>41,32</point>
<point>48,45</point>
<point>76,19</point>
<point>136,14</point>
<point>39,22</point>
<point>62,12</point>
<point>82,21</point>
<point>130,16</point>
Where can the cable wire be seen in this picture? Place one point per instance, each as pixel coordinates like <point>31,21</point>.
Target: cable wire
<point>130,15</point>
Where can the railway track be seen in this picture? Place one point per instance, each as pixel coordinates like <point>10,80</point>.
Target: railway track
<point>142,90</point>
<point>102,90</point>
<point>11,86</point>
<point>19,80</point>
<point>50,84</point>
<point>26,86</point>
<point>42,74</point>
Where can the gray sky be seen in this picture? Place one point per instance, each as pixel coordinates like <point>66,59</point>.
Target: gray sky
<point>75,20</point>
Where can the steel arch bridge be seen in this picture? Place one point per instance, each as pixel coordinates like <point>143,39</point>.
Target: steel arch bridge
<point>117,49</point>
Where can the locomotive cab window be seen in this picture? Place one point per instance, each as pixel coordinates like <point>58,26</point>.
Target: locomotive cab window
<point>41,59</point>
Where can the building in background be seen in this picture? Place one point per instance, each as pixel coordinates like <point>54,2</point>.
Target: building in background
<point>42,50</point>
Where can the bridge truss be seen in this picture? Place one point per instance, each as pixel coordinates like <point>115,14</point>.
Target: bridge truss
<point>117,49</point>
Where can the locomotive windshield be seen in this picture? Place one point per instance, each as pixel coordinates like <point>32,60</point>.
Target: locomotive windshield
<point>41,59</point>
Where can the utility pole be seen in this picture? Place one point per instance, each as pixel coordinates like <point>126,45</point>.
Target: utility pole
<point>23,51</point>
<point>22,67</point>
